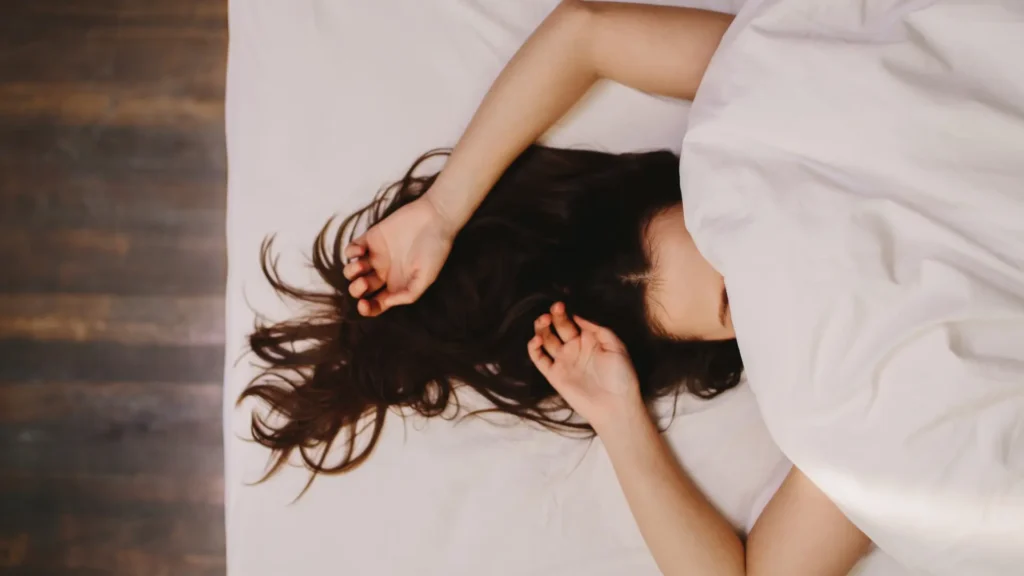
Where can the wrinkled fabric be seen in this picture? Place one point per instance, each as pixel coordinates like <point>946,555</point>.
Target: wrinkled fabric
<point>855,169</point>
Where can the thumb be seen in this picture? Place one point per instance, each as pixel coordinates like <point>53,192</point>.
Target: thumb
<point>604,336</point>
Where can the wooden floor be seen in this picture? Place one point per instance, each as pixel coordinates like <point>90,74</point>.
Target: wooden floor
<point>112,267</point>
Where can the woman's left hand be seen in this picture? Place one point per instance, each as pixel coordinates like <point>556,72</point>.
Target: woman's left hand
<point>587,364</point>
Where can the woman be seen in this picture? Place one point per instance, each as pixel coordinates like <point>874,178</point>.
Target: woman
<point>646,309</point>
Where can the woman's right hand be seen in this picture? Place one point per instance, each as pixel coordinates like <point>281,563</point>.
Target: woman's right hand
<point>395,261</point>
<point>588,366</point>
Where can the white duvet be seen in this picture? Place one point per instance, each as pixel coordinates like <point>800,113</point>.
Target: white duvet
<point>856,171</point>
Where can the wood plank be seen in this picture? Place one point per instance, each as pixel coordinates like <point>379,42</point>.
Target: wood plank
<point>192,12</point>
<point>142,540</point>
<point>13,550</point>
<point>24,450</point>
<point>112,429</point>
<point>112,409</point>
<point>85,196</point>
<point>119,429</point>
<point>181,61</point>
<point>181,49</point>
<point>28,361</point>
<point>112,210</point>
<point>112,262</point>
<point>30,571</point>
<point>127,320</point>
<point>42,146</point>
<point>92,494</point>
<point>90,103</point>
<point>172,528</point>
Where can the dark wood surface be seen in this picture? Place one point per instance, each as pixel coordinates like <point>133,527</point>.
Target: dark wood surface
<point>112,266</point>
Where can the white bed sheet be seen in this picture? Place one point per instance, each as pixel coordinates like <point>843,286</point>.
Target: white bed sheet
<point>856,171</point>
<point>327,100</point>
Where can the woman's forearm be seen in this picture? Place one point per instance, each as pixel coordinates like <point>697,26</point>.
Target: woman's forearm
<point>657,49</point>
<point>540,84</point>
<point>801,532</point>
<point>683,531</point>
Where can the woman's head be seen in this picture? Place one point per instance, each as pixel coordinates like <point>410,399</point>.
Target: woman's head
<point>685,296</point>
<point>601,232</point>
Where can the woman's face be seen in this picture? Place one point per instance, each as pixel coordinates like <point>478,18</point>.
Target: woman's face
<point>685,295</point>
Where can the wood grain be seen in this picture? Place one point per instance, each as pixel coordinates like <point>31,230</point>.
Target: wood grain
<point>108,409</point>
<point>36,146</point>
<point>89,104</point>
<point>112,269</point>
<point>172,204</point>
<point>32,361</point>
<point>114,428</point>
<point>144,540</point>
<point>94,493</point>
<point>142,43</point>
<point>111,262</point>
<point>191,12</point>
<point>101,317</point>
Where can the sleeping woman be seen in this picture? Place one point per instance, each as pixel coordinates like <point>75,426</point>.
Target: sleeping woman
<point>560,285</point>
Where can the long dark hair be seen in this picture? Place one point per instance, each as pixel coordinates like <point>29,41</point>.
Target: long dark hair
<point>560,225</point>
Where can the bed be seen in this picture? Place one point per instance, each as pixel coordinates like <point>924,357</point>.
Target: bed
<point>326,102</point>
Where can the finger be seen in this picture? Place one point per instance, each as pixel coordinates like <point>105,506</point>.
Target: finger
<point>542,361</point>
<point>407,295</point>
<point>604,336</point>
<point>391,299</point>
<point>552,345</point>
<point>356,268</point>
<point>564,327</point>
<point>369,308</point>
<point>365,285</point>
<point>585,324</point>
<point>385,300</point>
<point>588,344</point>
<point>356,248</point>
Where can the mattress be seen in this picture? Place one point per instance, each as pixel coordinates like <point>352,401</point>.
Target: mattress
<point>327,101</point>
<point>854,170</point>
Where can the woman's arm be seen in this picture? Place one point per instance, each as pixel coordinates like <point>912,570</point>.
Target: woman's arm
<point>800,533</point>
<point>657,49</point>
<point>683,531</point>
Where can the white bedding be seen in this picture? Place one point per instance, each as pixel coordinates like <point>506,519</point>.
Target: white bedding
<point>856,171</point>
<point>327,100</point>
